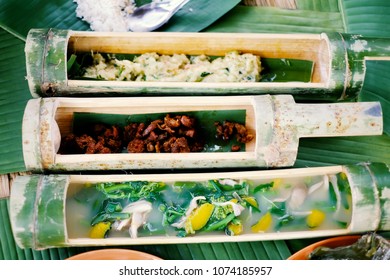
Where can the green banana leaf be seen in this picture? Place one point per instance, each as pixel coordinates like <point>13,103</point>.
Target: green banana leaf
<point>319,5</point>
<point>274,20</point>
<point>376,86</point>
<point>197,15</point>
<point>368,18</point>
<point>14,95</point>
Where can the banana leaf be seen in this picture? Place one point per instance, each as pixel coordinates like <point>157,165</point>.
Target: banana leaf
<point>342,150</point>
<point>369,18</point>
<point>13,98</point>
<point>197,15</point>
<point>373,90</point>
<point>286,70</point>
<point>274,20</point>
<point>319,5</point>
<point>17,17</point>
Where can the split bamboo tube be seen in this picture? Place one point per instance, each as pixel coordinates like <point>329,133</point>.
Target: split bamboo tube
<point>41,217</point>
<point>338,59</point>
<point>276,122</point>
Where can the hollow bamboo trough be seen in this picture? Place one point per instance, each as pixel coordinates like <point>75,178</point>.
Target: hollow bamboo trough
<point>276,122</point>
<point>40,216</point>
<point>338,62</point>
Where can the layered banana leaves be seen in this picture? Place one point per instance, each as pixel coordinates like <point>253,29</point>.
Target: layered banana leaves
<point>368,18</point>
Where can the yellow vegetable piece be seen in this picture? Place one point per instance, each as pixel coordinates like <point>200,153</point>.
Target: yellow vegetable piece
<point>315,218</point>
<point>343,176</point>
<point>252,201</point>
<point>234,200</point>
<point>234,229</point>
<point>277,183</point>
<point>99,230</point>
<point>263,224</point>
<point>199,217</point>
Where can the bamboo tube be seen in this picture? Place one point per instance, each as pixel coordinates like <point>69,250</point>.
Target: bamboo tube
<point>283,4</point>
<point>4,186</point>
<point>338,73</point>
<point>276,122</point>
<point>6,182</point>
<point>38,205</point>
<point>25,220</point>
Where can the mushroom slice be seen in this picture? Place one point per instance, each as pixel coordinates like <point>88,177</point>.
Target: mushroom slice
<point>297,197</point>
<point>139,211</point>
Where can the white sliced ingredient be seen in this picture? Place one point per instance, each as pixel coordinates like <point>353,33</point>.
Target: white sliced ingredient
<point>297,197</point>
<point>191,207</point>
<point>139,211</point>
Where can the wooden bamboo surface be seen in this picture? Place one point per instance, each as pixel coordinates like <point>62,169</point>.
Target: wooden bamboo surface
<point>4,186</point>
<point>6,182</point>
<point>284,4</point>
<point>276,122</point>
<point>367,215</point>
<point>265,45</point>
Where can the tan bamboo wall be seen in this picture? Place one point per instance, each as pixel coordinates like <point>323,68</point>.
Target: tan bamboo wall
<point>284,4</point>
<point>6,182</point>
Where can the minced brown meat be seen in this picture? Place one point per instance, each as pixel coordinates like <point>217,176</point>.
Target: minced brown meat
<point>136,146</point>
<point>228,130</point>
<point>102,140</point>
<point>171,134</point>
<point>175,134</point>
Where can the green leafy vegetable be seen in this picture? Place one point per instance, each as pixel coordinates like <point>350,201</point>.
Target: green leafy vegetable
<point>219,224</point>
<point>344,188</point>
<point>278,208</point>
<point>110,211</point>
<point>284,220</point>
<point>171,214</point>
<point>332,195</point>
<point>131,190</point>
<point>263,187</point>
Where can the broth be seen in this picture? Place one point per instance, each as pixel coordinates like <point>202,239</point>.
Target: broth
<point>291,204</point>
